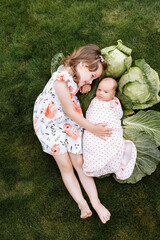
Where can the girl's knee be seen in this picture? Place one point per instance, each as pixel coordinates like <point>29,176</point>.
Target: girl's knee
<point>65,167</point>
<point>78,163</point>
<point>64,163</point>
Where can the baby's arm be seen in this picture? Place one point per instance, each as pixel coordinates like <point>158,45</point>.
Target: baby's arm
<point>85,88</point>
<point>64,96</point>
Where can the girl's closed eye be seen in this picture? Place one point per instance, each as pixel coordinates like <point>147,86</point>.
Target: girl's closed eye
<point>93,75</point>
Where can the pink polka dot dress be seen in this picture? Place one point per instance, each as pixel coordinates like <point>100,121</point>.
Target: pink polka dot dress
<point>115,155</point>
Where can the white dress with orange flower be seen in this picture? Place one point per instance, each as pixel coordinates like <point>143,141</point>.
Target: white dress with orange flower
<point>115,155</point>
<point>56,132</point>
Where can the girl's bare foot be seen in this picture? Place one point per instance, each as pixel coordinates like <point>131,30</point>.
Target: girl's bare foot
<point>85,210</point>
<point>102,212</point>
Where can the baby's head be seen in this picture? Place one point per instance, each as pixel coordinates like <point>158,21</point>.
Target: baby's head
<point>106,89</point>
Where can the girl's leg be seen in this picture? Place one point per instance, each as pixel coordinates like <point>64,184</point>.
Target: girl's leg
<point>90,188</point>
<point>67,172</point>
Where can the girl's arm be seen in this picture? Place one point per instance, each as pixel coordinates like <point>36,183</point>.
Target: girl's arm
<point>63,94</point>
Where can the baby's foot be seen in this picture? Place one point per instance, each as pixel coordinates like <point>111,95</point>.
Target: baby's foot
<point>127,154</point>
<point>102,212</point>
<point>85,210</point>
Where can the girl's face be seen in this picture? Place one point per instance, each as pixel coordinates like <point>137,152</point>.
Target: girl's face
<point>85,75</point>
<point>105,91</point>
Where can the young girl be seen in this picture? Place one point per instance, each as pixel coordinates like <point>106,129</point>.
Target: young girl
<point>115,155</point>
<point>58,123</point>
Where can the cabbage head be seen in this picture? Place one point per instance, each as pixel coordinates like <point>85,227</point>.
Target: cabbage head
<point>118,58</point>
<point>139,87</point>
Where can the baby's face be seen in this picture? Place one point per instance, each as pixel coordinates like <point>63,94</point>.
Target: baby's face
<point>105,91</point>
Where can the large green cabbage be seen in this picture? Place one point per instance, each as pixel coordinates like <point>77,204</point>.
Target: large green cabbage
<point>118,58</point>
<point>139,87</point>
<point>143,129</point>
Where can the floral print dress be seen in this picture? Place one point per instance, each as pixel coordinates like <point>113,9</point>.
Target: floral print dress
<point>56,132</point>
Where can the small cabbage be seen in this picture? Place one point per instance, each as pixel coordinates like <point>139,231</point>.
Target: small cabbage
<point>139,87</point>
<point>118,58</point>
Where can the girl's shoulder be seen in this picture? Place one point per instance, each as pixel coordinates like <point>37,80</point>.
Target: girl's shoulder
<point>63,75</point>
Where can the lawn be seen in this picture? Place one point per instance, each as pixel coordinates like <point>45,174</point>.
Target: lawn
<point>34,204</point>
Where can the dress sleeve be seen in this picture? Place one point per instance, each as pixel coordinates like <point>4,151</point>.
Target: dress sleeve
<point>62,77</point>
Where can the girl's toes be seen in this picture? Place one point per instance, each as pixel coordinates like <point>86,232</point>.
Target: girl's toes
<point>86,214</point>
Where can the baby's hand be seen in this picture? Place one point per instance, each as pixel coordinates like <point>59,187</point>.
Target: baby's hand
<point>101,131</point>
<point>114,103</point>
<point>85,88</point>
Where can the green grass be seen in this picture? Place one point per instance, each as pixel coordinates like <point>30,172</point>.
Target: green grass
<point>34,203</point>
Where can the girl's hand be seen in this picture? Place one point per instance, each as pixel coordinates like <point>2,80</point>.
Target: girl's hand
<point>85,88</point>
<point>101,131</point>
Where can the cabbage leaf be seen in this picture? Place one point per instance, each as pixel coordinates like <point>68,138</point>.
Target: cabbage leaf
<point>56,61</point>
<point>147,121</point>
<point>85,99</point>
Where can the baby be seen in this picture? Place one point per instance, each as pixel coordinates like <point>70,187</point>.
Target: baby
<point>115,154</point>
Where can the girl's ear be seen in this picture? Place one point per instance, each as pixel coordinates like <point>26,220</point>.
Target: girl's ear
<point>82,64</point>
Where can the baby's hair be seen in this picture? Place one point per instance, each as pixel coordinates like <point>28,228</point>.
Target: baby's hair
<point>115,84</point>
<point>89,54</point>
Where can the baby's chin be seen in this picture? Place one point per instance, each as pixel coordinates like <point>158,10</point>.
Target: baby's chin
<point>102,99</point>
